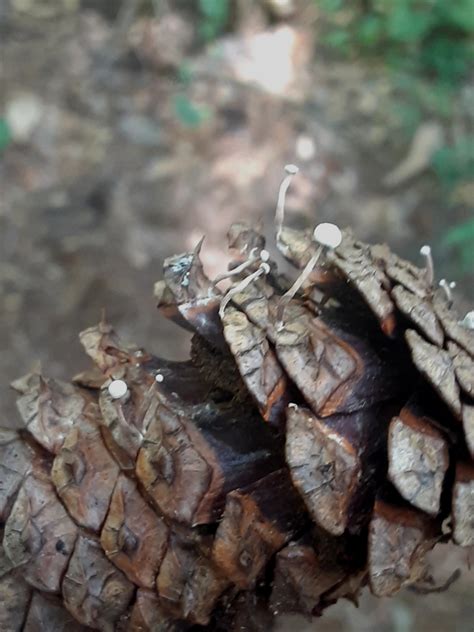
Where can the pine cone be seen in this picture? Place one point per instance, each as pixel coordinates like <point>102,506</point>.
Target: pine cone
<point>311,445</point>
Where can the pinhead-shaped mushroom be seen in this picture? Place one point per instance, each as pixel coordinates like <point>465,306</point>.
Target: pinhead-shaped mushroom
<point>117,389</point>
<point>447,287</point>
<point>328,235</point>
<point>291,169</point>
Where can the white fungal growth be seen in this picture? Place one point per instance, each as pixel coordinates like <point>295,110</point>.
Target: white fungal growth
<point>425,251</point>
<point>264,255</point>
<point>159,378</point>
<point>117,389</point>
<point>291,170</point>
<point>447,287</point>
<point>468,320</point>
<point>328,235</point>
<point>444,284</point>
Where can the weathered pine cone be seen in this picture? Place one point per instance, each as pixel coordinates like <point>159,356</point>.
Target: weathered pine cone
<point>309,447</point>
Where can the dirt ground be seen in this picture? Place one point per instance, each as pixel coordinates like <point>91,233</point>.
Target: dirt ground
<point>129,141</point>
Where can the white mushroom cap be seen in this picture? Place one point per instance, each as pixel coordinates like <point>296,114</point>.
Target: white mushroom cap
<point>328,235</point>
<point>159,377</point>
<point>291,169</point>
<point>117,389</point>
<point>264,255</point>
<point>425,251</point>
<point>443,283</point>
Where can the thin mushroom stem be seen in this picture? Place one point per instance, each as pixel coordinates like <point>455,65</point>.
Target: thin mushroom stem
<point>253,256</point>
<point>264,268</point>
<point>303,277</point>
<point>291,171</point>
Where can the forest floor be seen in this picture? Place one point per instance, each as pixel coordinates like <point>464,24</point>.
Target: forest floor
<point>129,142</point>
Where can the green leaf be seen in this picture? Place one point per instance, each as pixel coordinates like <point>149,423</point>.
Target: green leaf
<point>456,163</point>
<point>369,30</point>
<point>5,134</point>
<point>185,74</point>
<point>461,234</point>
<point>331,6</point>
<point>215,15</point>
<point>449,58</point>
<point>338,39</point>
<point>466,255</point>
<point>406,25</point>
<point>216,10</point>
<point>188,113</point>
<point>460,13</point>
<point>461,239</point>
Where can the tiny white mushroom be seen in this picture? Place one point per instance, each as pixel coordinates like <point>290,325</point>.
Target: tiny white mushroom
<point>117,389</point>
<point>425,251</point>
<point>328,236</point>
<point>159,378</point>
<point>447,287</point>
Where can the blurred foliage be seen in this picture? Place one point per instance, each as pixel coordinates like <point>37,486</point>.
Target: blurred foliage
<point>428,45</point>
<point>188,113</point>
<point>214,17</point>
<point>5,134</point>
<point>461,239</point>
<point>455,164</point>
<point>433,37</point>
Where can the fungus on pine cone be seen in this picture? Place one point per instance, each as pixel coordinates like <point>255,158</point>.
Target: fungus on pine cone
<point>308,448</point>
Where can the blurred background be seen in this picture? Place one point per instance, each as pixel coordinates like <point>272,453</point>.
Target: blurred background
<point>130,128</point>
